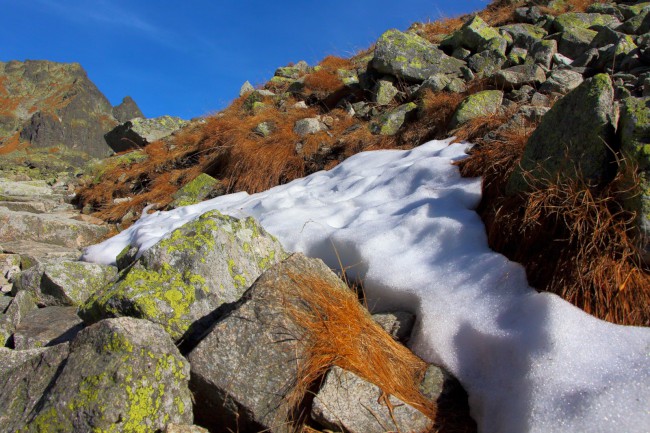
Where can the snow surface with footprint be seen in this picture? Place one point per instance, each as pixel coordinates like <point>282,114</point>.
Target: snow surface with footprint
<point>404,222</point>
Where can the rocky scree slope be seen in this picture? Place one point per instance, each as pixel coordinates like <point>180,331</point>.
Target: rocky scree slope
<point>553,94</point>
<point>92,347</point>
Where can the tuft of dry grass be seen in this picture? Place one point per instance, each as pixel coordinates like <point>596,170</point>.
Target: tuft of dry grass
<point>575,241</point>
<point>338,331</point>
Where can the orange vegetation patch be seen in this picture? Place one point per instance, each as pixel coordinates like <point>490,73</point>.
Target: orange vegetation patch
<point>573,240</point>
<point>338,331</point>
<point>12,144</point>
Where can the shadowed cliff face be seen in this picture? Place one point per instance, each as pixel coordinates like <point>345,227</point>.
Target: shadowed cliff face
<point>52,105</point>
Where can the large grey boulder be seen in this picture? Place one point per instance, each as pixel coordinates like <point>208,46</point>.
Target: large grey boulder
<point>25,376</point>
<point>248,363</point>
<point>482,103</point>
<point>64,283</point>
<point>138,132</point>
<point>634,131</point>
<point>349,403</point>
<point>412,58</point>
<point>120,375</point>
<point>47,327</point>
<point>184,277</point>
<point>572,139</point>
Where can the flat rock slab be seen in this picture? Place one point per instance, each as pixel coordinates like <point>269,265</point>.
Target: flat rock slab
<point>48,228</point>
<point>32,252</point>
<point>346,401</point>
<point>25,188</point>
<point>46,327</point>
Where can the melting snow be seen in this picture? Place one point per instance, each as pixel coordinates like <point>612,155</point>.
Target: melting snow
<point>404,222</point>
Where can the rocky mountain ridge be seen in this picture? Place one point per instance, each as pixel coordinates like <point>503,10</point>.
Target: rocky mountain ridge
<point>131,344</point>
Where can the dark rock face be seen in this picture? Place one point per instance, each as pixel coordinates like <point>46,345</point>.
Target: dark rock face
<point>55,105</point>
<point>127,110</point>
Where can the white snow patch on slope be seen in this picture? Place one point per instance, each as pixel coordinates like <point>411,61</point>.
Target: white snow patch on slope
<point>404,222</point>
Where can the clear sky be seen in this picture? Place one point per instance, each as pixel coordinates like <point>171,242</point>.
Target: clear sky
<point>189,58</point>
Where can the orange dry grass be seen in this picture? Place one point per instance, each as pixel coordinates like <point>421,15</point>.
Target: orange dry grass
<point>323,82</point>
<point>574,241</point>
<point>338,331</point>
<point>11,144</point>
<point>333,63</point>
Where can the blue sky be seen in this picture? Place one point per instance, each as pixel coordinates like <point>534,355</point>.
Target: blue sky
<point>189,58</point>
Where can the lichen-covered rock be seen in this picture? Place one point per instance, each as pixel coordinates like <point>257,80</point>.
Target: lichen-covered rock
<point>47,327</point>
<point>64,283</point>
<point>634,131</point>
<point>478,104</point>
<point>385,92</point>
<point>474,33</point>
<point>614,54</point>
<point>186,276</point>
<point>638,24</point>
<point>127,110</point>
<point>410,57</point>
<point>21,305</point>
<point>524,35</point>
<point>573,20</point>
<point>202,187</point>
<point>542,52</point>
<point>25,188</point>
<point>25,375</point>
<point>391,121</point>
<point>517,76</point>
<point>575,41</point>
<point>346,401</point>
<point>48,228</point>
<point>120,375</point>
<point>573,138</point>
<point>243,369</point>
<point>561,81</point>
<point>486,63</point>
<point>139,132</point>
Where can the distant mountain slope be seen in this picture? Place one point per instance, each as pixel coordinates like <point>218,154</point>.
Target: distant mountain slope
<point>50,105</point>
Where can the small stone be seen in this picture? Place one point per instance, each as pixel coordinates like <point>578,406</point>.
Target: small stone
<point>264,129</point>
<point>540,100</point>
<point>390,122</point>
<point>561,81</point>
<point>247,87</point>
<point>478,104</point>
<point>486,63</point>
<point>398,324</point>
<point>203,187</point>
<point>346,401</point>
<point>308,126</point>
<point>517,56</point>
<point>517,76</point>
<point>385,92</point>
